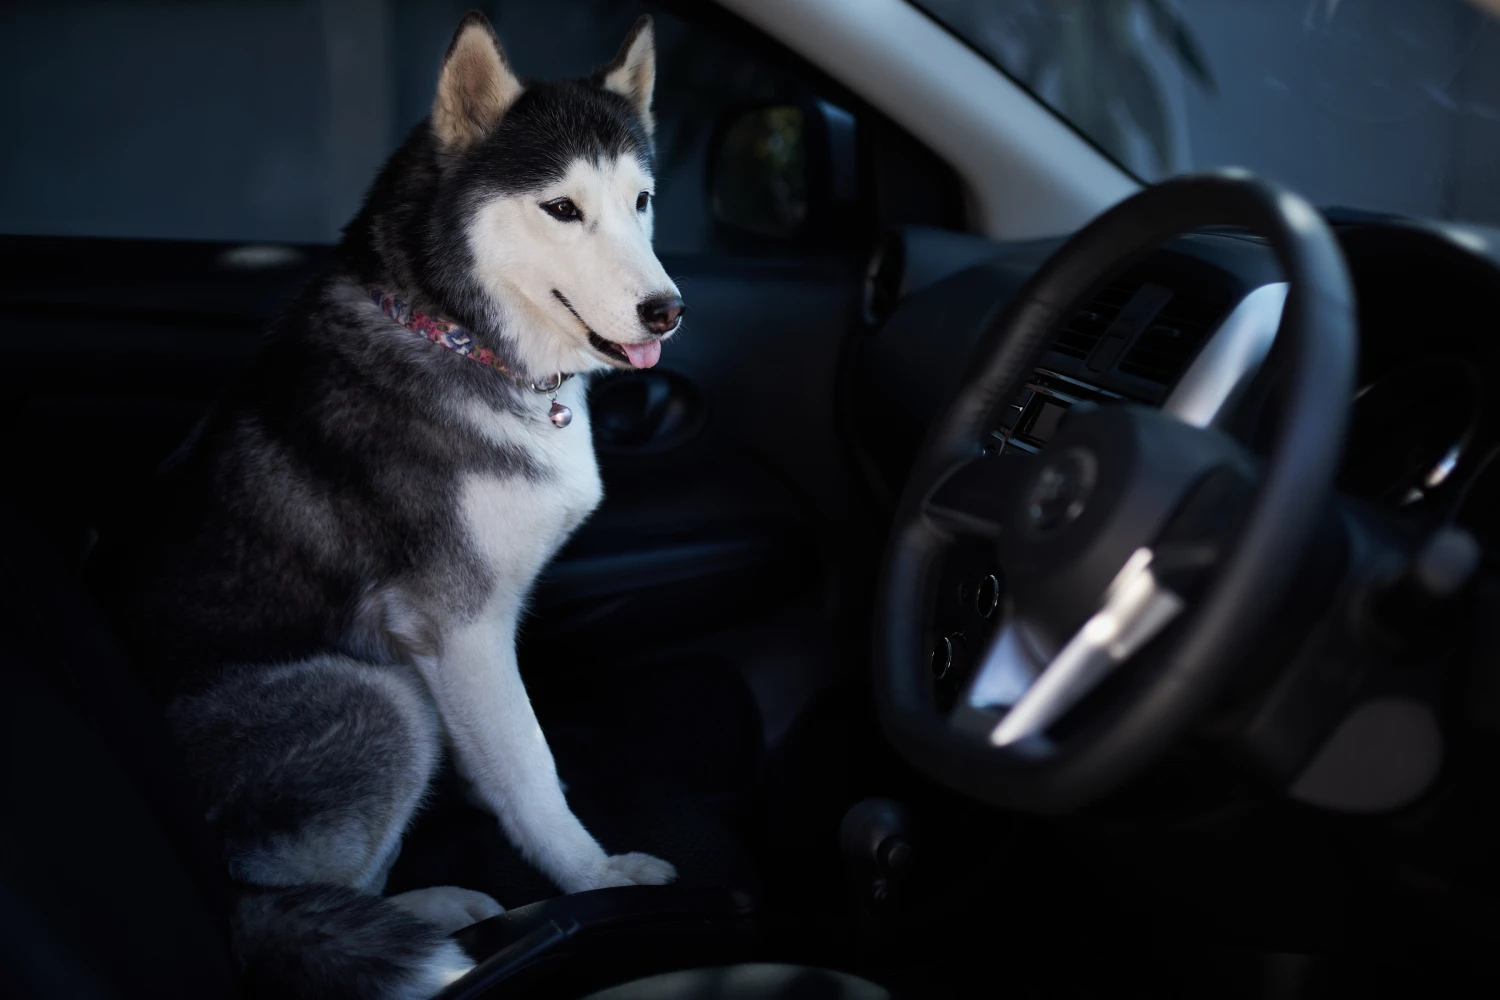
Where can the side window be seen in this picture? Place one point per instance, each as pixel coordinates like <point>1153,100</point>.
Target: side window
<point>252,121</point>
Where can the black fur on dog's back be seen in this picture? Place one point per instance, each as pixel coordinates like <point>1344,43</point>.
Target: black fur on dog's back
<point>334,462</point>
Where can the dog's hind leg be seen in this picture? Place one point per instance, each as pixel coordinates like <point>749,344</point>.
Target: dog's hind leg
<point>311,773</point>
<point>447,907</point>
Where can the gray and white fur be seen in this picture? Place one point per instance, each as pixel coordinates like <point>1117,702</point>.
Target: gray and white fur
<point>326,582</point>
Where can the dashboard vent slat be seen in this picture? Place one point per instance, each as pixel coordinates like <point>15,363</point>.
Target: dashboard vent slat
<point>1084,331</point>
<point>1172,339</point>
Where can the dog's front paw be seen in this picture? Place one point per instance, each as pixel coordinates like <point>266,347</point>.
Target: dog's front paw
<point>622,869</point>
<point>640,869</point>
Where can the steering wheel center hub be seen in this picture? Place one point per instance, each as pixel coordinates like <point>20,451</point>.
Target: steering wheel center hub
<point>1105,488</point>
<point>1061,490</point>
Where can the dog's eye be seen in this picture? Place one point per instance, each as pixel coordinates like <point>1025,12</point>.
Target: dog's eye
<point>642,200</point>
<point>562,208</point>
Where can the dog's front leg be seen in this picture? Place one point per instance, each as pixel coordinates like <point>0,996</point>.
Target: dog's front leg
<point>501,750</point>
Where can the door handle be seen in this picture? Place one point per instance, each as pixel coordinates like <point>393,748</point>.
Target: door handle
<point>645,412</point>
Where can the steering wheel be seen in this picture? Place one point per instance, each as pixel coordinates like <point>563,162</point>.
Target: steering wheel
<point>1143,555</point>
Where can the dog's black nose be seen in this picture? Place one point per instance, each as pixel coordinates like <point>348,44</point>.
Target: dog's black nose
<point>661,313</point>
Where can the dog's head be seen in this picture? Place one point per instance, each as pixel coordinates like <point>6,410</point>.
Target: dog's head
<point>552,187</point>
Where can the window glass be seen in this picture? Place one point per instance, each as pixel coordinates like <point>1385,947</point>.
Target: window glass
<point>266,120</point>
<point>1384,105</point>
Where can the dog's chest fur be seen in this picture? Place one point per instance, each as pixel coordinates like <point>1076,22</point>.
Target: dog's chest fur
<point>517,524</point>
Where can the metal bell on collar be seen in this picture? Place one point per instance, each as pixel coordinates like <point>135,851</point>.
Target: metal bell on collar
<point>560,415</point>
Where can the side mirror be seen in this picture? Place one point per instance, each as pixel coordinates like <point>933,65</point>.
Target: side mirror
<point>784,171</point>
<point>759,181</point>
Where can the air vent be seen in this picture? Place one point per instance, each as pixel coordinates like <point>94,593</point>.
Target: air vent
<point>1086,328</point>
<point>1166,347</point>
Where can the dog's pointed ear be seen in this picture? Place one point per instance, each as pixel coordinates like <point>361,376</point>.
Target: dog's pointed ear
<point>475,85</point>
<point>633,73</point>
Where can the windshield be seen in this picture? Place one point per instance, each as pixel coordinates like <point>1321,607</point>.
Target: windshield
<point>1381,105</point>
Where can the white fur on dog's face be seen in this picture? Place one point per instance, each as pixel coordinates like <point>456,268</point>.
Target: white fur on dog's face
<point>574,274</point>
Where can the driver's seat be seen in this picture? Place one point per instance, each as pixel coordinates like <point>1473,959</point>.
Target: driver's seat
<point>110,888</point>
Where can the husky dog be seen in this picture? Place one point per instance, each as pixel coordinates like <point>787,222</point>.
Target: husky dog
<point>328,582</point>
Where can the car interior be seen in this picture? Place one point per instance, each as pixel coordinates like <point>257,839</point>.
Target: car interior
<point>1031,570</point>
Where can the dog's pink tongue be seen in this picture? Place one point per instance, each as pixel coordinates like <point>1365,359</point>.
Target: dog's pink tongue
<point>643,355</point>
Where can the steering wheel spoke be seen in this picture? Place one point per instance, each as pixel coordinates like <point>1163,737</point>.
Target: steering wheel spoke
<point>1195,540</point>
<point>970,499</point>
<point>1135,609</point>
